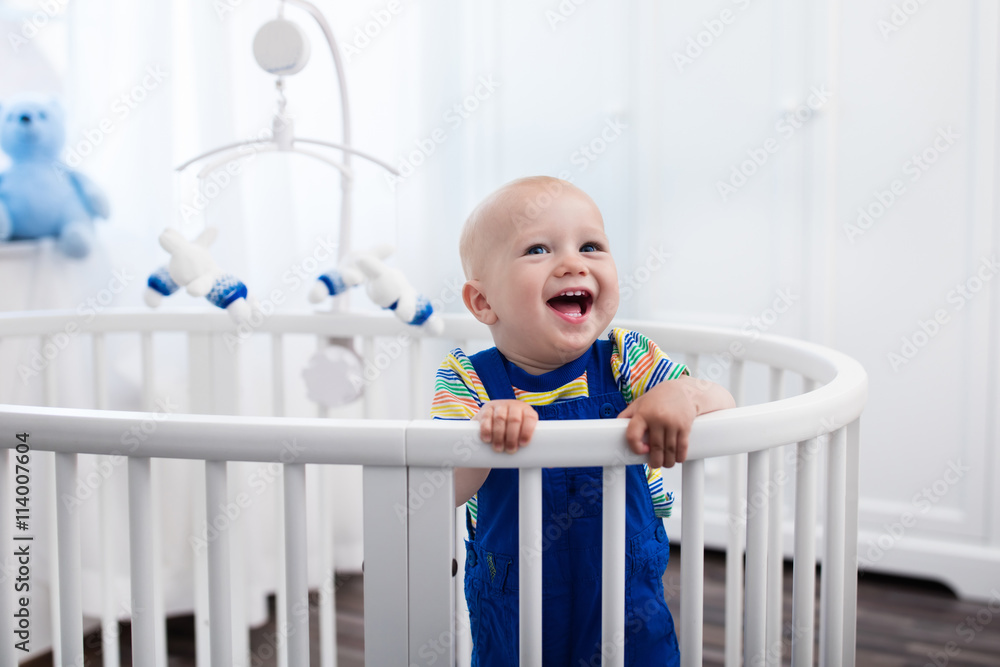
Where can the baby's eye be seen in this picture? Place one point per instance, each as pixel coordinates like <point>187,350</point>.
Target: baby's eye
<point>536,250</point>
<point>41,114</point>
<point>589,247</point>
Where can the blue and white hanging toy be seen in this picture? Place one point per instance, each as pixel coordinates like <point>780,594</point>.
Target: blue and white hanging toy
<point>192,266</point>
<point>385,286</point>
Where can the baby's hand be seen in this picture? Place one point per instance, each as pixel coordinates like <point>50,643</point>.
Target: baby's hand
<point>507,424</point>
<point>660,422</point>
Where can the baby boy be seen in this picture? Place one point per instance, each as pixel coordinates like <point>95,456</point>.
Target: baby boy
<point>540,274</point>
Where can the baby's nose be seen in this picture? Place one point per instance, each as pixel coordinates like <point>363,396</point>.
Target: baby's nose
<point>574,264</point>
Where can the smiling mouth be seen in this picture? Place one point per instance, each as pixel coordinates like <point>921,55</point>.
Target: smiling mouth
<point>572,304</point>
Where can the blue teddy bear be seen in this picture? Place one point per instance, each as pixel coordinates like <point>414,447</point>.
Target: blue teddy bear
<point>39,195</point>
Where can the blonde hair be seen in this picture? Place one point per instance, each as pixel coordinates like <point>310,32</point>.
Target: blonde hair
<point>507,203</point>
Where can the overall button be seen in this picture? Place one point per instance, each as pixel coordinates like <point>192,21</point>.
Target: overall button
<point>661,533</point>
<point>607,410</point>
<point>471,558</point>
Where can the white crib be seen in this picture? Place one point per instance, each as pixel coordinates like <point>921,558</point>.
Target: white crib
<point>409,517</point>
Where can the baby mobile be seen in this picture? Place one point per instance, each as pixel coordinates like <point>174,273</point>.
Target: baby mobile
<point>281,48</point>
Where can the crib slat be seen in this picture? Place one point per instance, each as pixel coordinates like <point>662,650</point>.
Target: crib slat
<point>202,627</point>
<point>734,543</point>
<point>529,516</point>
<point>49,383</point>
<point>278,409</point>
<point>327,595</point>
<point>691,361</point>
<point>148,381</point>
<point>100,361</point>
<point>613,567</point>
<point>322,411</point>
<point>141,555</point>
<point>159,613</point>
<point>368,357</point>
<point>219,583</point>
<point>775,550</point>
<point>852,494</point>
<point>831,619</point>
<point>110,653</point>
<point>48,459</point>
<point>200,399</point>
<point>692,562</point>
<point>756,575</point>
<point>804,556</point>
<point>324,513</point>
<point>463,629</point>
<point>417,381</point>
<point>68,525</point>
<point>737,474</point>
<point>296,564</point>
<point>431,509</point>
<point>385,565</point>
<point>200,372</point>
<point>50,396</point>
<point>8,657</point>
<point>278,374</point>
<point>237,571</point>
<point>280,596</point>
<point>804,565</point>
<point>775,559</point>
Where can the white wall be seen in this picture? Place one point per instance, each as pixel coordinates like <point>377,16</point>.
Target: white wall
<point>885,81</point>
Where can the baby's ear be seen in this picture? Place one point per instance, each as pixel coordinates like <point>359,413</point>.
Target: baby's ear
<point>475,301</point>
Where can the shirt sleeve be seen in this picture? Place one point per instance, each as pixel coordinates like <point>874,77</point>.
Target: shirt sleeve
<point>459,394</point>
<point>663,501</point>
<point>638,364</point>
<point>458,391</point>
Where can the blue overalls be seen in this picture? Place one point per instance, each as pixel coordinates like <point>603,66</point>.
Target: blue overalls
<point>571,540</point>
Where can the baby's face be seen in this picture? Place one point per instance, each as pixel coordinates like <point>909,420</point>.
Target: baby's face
<point>549,281</point>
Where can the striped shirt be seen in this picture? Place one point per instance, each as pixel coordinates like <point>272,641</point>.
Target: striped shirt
<point>637,365</point>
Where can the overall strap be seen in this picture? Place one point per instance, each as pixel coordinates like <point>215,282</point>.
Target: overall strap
<point>488,365</point>
<point>600,379</point>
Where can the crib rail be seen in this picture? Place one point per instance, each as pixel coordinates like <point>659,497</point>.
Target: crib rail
<point>412,551</point>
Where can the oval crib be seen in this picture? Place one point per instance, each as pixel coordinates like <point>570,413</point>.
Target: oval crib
<point>410,523</point>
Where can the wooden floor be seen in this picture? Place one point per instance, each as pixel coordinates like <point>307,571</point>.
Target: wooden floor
<point>901,623</point>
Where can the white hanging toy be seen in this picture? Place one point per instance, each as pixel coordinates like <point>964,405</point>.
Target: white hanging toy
<point>191,266</point>
<point>282,49</point>
<point>334,376</point>
<point>386,287</point>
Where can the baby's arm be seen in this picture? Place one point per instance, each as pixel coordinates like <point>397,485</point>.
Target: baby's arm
<point>507,425</point>
<point>661,418</point>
